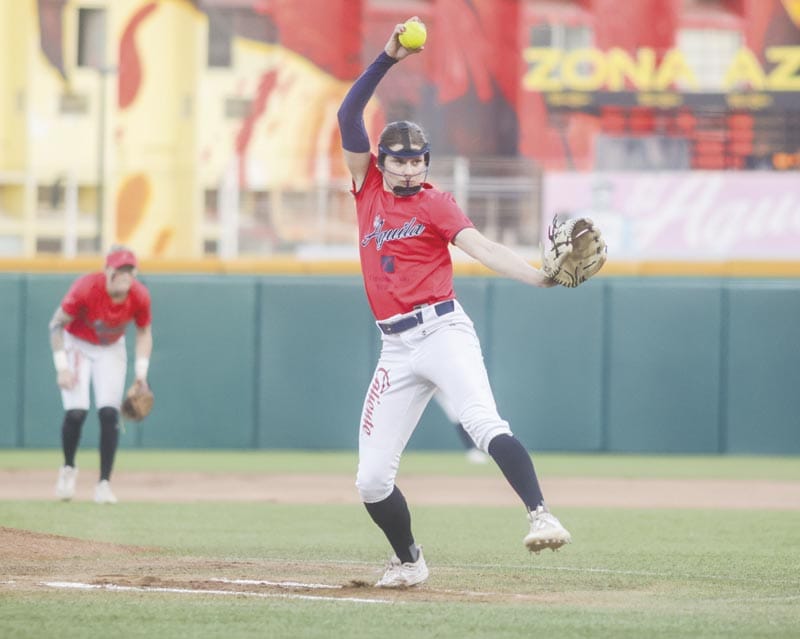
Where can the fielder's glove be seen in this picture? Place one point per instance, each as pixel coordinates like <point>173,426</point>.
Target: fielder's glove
<point>576,251</point>
<point>138,402</point>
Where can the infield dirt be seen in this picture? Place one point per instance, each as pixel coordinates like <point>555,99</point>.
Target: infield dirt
<point>33,560</point>
<point>420,489</point>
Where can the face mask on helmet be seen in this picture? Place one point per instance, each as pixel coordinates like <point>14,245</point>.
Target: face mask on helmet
<point>413,143</point>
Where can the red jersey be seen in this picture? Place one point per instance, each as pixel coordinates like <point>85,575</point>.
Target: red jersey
<point>404,245</point>
<point>97,318</point>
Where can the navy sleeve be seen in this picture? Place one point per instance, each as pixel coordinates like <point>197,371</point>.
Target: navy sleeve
<point>351,112</point>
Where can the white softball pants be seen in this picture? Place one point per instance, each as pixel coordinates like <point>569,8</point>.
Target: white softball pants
<point>104,367</point>
<point>442,353</point>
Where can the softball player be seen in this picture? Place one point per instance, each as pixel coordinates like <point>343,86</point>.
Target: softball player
<point>87,335</point>
<point>428,341</point>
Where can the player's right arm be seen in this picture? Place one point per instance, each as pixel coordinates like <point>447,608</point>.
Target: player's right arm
<point>355,140</point>
<point>65,376</point>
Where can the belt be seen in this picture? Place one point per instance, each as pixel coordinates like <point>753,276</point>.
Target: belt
<point>393,328</point>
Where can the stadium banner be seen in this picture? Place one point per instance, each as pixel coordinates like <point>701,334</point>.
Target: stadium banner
<point>704,215</point>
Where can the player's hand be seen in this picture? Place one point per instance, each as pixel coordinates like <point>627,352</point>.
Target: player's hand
<point>66,379</point>
<point>393,47</point>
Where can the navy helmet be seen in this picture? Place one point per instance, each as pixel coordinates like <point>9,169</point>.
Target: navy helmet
<point>410,136</point>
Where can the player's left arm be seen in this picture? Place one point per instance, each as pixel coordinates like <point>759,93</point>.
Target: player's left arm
<point>144,348</point>
<point>500,259</point>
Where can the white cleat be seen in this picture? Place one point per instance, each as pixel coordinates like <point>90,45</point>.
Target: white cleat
<point>477,456</point>
<point>399,575</point>
<point>103,494</point>
<point>546,531</point>
<point>65,487</point>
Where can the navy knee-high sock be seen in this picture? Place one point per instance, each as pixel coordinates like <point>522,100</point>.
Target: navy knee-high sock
<point>71,434</point>
<point>109,438</point>
<point>394,519</point>
<point>515,462</point>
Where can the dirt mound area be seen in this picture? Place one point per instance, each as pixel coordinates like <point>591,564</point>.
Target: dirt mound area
<point>24,545</point>
<point>37,562</point>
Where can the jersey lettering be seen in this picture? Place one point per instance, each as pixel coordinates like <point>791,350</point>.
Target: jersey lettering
<point>381,236</point>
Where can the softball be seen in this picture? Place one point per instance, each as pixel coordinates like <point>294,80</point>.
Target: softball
<point>414,36</point>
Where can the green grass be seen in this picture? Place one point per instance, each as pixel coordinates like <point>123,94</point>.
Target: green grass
<point>629,573</point>
<point>446,463</point>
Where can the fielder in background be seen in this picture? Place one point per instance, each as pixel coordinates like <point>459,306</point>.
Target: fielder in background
<point>428,341</point>
<point>87,335</point>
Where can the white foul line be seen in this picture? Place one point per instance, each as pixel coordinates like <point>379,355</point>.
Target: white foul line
<point>280,584</point>
<point>191,591</point>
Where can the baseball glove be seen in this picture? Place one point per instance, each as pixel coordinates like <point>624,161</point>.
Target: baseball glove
<point>138,402</point>
<point>576,252</point>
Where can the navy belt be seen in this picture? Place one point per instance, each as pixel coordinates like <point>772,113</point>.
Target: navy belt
<point>393,328</point>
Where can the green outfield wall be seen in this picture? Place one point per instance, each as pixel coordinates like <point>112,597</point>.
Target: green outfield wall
<point>621,364</point>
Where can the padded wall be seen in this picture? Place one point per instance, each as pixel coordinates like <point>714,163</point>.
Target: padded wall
<point>663,368</point>
<point>546,364</point>
<point>660,365</point>
<point>762,400</point>
<point>315,355</point>
<point>12,348</point>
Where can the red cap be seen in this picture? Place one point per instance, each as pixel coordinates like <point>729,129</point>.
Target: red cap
<point>118,259</point>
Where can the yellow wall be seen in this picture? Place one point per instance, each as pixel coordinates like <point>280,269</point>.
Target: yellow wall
<point>155,147</point>
<point>174,140</point>
<point>60,143</point>
<point>16,24</point>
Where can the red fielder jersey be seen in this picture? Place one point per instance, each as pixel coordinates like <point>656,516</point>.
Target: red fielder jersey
<point>97,318</point>
<point>404,245</point>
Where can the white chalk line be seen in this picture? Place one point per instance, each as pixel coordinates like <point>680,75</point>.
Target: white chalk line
<point>292,584</point>
<point>279,584</point>
<point>765,599</point>
<point>671,575</point>
<point>576,569</point>
<point>193,591</point>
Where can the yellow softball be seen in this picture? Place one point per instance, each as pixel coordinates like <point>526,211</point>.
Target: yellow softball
<point>414,36</point>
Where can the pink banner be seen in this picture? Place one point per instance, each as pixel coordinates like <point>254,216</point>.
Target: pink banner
<point>700,215</point>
